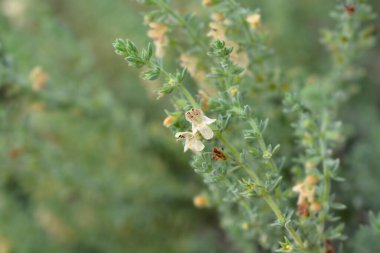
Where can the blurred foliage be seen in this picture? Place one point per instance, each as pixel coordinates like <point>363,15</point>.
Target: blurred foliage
<point>83,170</point>
<point>366,239</point>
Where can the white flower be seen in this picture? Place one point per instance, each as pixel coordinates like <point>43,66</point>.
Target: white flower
<point>200,123</point>
<point>191,141</point>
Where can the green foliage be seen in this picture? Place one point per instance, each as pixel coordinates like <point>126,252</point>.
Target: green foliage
<point>86,165</point>
<point>367,238</point>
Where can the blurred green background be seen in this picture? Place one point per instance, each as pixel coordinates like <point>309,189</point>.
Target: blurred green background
<point>95,170</point>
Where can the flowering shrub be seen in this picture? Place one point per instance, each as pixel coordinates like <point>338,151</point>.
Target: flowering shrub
<point>231,105</point>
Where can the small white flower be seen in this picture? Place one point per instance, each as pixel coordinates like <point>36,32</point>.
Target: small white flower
<point>191,141</point>
<point>200,123</point>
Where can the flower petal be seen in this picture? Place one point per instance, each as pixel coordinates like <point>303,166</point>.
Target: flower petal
<point>206,131</point>
<point>186,147</point>
<point>298,187</point>
<point>195,145</point>
<point>194,128</point>
<point>207,120</point>
<point>183,135</point>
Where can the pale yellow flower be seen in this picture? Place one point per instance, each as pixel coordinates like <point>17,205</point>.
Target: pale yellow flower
<point>190,62</point>
<point>311,180</point>
<point>245,226</point>
<point>200,123</point>
<point>233,90</point>
<point>191,141</point>
<point>254,20</point>
<point>217,31</point>
<point>306,192</point>
<point>204,99</point>
<point>309,165</point>
<point>14,10</point>
<point>39,78</point>
<point>157,32</point>
<point>238,56</point>
<point>216,16</point>
<point>207,2</point>
<point>315,206</point>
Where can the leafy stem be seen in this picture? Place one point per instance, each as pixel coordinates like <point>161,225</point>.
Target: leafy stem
<point>127,49</point>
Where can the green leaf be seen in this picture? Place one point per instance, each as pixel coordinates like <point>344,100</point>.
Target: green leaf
<point>149,51</point>
<point>338,206</point>
<point>135,61</point>
<point>119,46</point>
<point>164,90</point>
<point>131,48</point>
<point>152,74</point>
<point>273,185</point>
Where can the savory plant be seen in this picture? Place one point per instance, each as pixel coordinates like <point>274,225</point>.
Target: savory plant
<point>225,91</point>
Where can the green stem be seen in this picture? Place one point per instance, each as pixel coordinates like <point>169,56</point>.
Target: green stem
<point>184,91</point>
<point>187,94</point>
<point>322,146</point>
<point>243,22</point>
<point>262,143</point>
<point>236,155</point>
<point>270,202</point>
<point>326,175</point>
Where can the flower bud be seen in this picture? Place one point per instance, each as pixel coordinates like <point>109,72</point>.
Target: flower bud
<point>169,120</point>
<point>233,91</point>
<point>311,180</point>
<point>38,77</point>
<point>245,226</point>
<point>309,165</point>
<point>200,201</point>
<point>315,206</point>
<point>267,155</point>
<point>217,16</point>
<point>208,2</point>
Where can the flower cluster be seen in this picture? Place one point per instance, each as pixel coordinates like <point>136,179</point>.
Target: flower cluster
<point>306,198</point>
<point>200,124</point>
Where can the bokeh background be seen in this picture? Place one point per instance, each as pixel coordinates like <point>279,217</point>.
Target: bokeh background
<point>86,165</point>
